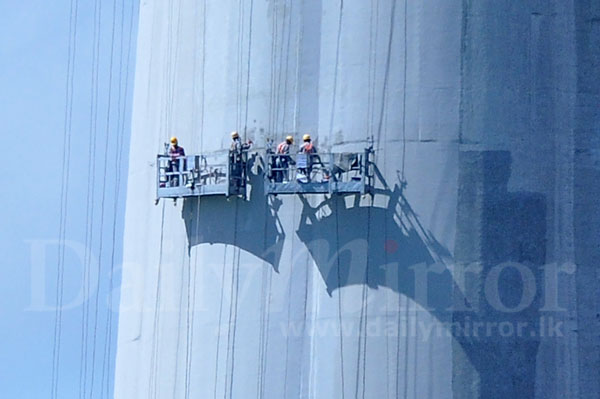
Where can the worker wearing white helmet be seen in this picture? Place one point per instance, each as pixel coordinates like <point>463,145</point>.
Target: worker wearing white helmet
<point>237,159</point>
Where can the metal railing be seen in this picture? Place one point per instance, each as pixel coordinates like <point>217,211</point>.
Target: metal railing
<point>197,175</point>
<point>319,173</point>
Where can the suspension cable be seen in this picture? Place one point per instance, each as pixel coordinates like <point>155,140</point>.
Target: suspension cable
<point>91,178</point>
<point>64,195</point>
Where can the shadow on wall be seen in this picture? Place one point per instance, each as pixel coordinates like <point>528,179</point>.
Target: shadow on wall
<point>388,247</point>
<point>353,244</point>
<point>497,227</point>
<point>258,230</point>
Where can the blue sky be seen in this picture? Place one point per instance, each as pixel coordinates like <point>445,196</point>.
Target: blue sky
<point>34,54</point>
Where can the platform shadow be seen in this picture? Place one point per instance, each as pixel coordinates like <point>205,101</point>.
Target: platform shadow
<point>377,246</point>
<point>257,228</point>
<point>354,244</point>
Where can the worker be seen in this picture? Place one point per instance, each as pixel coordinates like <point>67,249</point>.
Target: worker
<point>175,152</point>
<point>283,160</point>
<point>237,159</point>
<point>308,147</point>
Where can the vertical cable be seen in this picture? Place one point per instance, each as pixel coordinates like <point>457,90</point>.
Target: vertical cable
<point>89,217</point>
<point>64,195</point>
<point>386,76</point>
<point>156,319</point>
<point>337,61</point>
<point>102,204</point>
<point>340,319</point>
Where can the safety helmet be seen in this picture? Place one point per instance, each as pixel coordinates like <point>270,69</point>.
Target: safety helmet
<point>306,137</point>
<point>174,140</point>
<point>234,135</point>
<point>289,139</point>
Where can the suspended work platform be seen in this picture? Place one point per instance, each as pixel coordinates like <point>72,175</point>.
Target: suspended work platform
<point>200,175</point>
<point>322,173</point>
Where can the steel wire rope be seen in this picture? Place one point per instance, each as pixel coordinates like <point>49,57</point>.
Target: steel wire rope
<point>386,76</point>
<point>273,120</point>
<point>164,124</point>
<point>102,203</point>
<point>307,276</point>
<point>261,344</point>
<point>248,66</point>
<point>276,72</point>
<point>373,41</point>
<point>233,308</point>
<point>175,63</point>
<point>189,353</point>
<point>189,282</point>
<point>274,28</point>
<point>64,195</point>
<point>407,306</point>
<point>186,259</point>
<point>404,85</point>
<point>108,335</point>
<point>336,65</point>
<point>90,192</point>
<point>370,74</point>
<point>279,73</point>
<point>340,319</point>
<point>169,73</point>
<point>287,337</point>
<point>232,314</point>
<point>364,315</point>
<point>191,306</point>
<point>305,306</point>
<point>240,33</point>
<point>155,320</point>
<point>271,123</point>
<point>261,336</point>
<point>220,320</point>
<point>121,110</point>
<point>362,341</point>
<point>287,62</point>
<point>331,119</point>
<point>168,92</point>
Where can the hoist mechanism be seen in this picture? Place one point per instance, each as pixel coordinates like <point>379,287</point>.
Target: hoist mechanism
<point>320,173</point>
<point>200,175</point>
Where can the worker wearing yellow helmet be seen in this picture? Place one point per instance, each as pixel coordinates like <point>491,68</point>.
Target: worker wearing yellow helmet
<point>175,150</point>
<point>308,147</point>
<point>283,160</point>
<point>284,146</point>
<point>236,143</point>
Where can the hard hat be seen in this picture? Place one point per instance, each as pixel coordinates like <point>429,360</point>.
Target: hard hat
<point>234,135</point>
<point>306,137</point>
<point>290,139</point>
<point>173,140</point>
